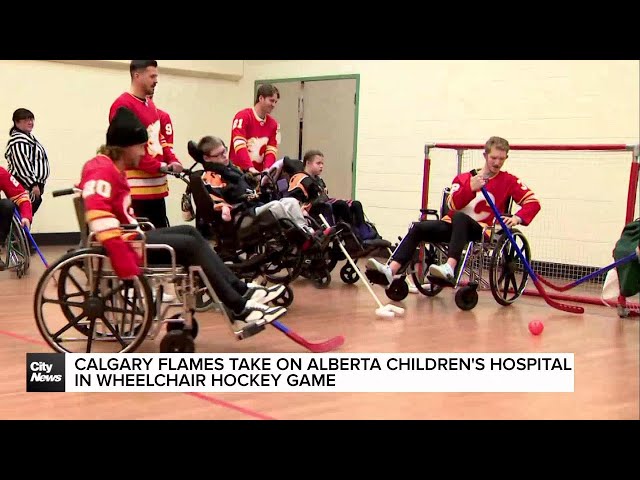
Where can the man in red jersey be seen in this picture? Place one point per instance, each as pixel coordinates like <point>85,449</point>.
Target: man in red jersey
<point>149,185</point>
<point>255,133</point>
<point>107,201</point>
<point>468,213</point>
<point>16,196</point>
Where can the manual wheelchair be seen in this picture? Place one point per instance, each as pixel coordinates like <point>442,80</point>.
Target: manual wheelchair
<point>17,254</point>
<point>105,310</point>
<point>507,277</point>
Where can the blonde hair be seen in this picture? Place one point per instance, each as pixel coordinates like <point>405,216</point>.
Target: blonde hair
<point>497,142</point>
<point>114,153</point>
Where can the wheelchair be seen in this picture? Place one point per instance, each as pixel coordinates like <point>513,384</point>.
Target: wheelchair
<point>256,245</point>
<point>507,277</point>
<point>92,305</point>
<point>17,251</point>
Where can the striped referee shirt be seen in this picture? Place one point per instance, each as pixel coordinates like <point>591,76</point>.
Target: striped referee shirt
<point>27,159</point>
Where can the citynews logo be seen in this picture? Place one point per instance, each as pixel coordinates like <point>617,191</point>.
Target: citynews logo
<point>45,372</point>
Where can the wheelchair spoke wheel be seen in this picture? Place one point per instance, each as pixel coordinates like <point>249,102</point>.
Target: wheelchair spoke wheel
<point>17,247</point>
<point>283,262</point>
<point>348,274</point>
<point>90,300</point>
<point>286,299</point>
<point>507,275</point>
<point>425,256</point>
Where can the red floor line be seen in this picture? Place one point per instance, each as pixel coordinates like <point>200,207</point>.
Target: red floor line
<point>207,398</point>
<point>233,406</point>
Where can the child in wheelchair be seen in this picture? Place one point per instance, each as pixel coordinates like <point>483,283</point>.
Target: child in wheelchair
<point>467,217</point>
<point>233,190</point>
<point>307,186</point>
<point>107,203</point>
<point>17,196</point>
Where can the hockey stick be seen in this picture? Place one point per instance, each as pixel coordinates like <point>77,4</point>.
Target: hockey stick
<point>560,306</point>
<point>388,310</point>
<point>631,257</point>
<point>320,347</point>
<point>33,242</point>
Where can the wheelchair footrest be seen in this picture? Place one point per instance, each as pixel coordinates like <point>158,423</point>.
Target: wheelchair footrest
<point>440,282</point>
<point>376,277</point>
<point>250,331</point>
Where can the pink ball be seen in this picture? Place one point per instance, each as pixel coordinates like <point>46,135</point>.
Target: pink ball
<point>536,327</point>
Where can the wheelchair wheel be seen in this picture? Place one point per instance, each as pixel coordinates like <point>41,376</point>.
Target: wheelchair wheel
<point>398,290</point>
<point>89,299</point>
<point>204,301</point>
<point>348,274</point>
<point>466,297</point>
<point>424,258</point>
<point>177,341</point>
<point>507,275</point>
<point>18,254</point>
<point>286,299</point>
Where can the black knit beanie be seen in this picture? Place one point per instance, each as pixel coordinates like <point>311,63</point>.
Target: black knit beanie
<point>126,129</point>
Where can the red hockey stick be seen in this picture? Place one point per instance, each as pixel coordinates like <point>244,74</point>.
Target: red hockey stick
<point>536,281</point>
<point>321,347</point>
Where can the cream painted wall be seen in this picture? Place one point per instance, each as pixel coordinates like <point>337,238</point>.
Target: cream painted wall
<point>71,104</point>
<point>404,104</point>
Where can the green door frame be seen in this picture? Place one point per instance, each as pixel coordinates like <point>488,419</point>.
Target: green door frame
<point>356,77</point>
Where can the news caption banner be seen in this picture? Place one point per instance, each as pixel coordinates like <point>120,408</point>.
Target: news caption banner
<point>350,373</point>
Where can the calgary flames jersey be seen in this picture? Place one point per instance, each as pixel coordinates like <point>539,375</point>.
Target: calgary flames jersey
<point>166,129</point>
<point>147,182</point>
<point>254,141</point>
<point>500,188</point>
<point>16,193</point>
<point>107,198</point>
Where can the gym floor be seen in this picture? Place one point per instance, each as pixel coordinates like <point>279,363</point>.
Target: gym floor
<point>606,352</point>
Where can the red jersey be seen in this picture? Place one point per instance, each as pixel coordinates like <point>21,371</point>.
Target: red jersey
<point>500,188</point>
<point>166,129</point>
<point>254,141</point>
<point>147,182</point>
<point>107,204</point>
<point>16,193</point>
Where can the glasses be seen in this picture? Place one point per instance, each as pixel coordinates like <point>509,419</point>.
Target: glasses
<point>221,154</point>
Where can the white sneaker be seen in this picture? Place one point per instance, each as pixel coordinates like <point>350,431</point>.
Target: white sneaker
<point>261,294</point>
<point>373,264</point>
<point>253,316</point>
<point>444,271</point>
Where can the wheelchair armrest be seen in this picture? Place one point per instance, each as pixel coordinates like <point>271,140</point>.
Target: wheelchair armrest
<point>429,211</point>
<point>142,219</point>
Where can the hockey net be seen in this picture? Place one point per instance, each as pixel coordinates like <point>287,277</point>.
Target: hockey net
<point>588,194</point>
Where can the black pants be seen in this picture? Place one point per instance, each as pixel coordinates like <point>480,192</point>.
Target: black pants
<point>192,249</point>
<point>458,233</point>
<point>155,210</point>
<point>351,214</point>
<point>6,215</point>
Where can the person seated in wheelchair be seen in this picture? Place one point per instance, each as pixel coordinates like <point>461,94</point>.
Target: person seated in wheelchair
<point>17,196</point>
<point>308,187</point>
<point>468,216</point>
<point>107,201</point>
<point>231,190</point>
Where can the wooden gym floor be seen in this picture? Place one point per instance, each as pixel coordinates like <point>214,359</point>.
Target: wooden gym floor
<point>605,346</point>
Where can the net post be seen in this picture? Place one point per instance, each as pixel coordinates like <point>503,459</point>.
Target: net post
<point>634,186</point>
<point>425,174</point>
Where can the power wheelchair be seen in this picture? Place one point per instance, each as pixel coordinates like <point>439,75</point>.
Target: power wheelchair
<point>274,185</point>
<point>17,254</point>
<point>105,310</point>
<point>256,245</point>
<point>507,277</point>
